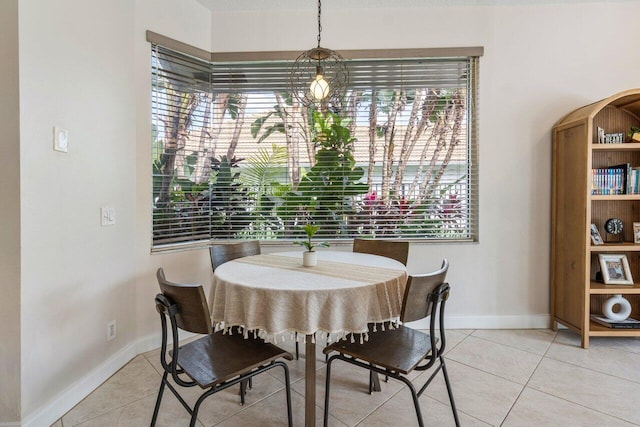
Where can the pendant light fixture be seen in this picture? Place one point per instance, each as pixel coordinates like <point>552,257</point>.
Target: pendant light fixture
<point>320,76</point>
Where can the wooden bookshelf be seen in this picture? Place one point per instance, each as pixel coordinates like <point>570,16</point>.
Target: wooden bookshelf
<point>575,294</point>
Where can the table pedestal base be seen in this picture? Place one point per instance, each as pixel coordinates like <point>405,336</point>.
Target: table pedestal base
<point>310,383</point>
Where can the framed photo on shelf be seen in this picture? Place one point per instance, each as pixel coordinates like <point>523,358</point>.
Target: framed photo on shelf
<point>615,269</point>
<point>596,239</point>
<point>636,232</point>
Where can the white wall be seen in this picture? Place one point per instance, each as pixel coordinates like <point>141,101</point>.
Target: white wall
<point>9,215</point>
<point>541,61</point>
<point>76,67</point>
<point>80,68</point>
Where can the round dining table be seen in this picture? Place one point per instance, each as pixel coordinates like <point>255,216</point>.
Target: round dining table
<point>275,297</point>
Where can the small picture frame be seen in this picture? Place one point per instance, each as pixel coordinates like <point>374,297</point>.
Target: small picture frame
<point>596,239</point>
<point>615,269</point>
<point>636,232</point>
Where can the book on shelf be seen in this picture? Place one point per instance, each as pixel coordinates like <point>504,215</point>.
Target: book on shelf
<point>617,179</point>
<point>635,180</point>
<point>629,323</point>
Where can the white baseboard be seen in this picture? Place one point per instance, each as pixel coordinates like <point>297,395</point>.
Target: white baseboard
<point>68,398</point>
<point>153,341</point>
<point>148,343</point>
<point>530,321</point>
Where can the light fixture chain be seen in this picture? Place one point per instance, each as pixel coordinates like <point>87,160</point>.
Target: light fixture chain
<point>319,76</point>
<point>319,25</point>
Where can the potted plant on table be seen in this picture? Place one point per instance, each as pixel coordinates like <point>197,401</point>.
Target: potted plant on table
<point>634,133</point>
<point>309,258</point>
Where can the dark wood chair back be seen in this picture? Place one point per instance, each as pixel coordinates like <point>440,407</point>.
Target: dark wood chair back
<point>221,253</point>
<point>418,301</point>
<point>393,249</point>
<point>190,303</point>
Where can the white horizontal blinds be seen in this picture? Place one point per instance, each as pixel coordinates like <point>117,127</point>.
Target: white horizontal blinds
<point>251,77</point>
<point>418,171</point>
<point>180,92</point>
<point>420,167</point>
<point>411,173</point>
<point>250,133</point>
<point>472,136</point>
<point>417,73</point>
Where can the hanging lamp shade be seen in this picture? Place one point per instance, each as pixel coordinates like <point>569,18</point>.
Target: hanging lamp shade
<point>320,76</point>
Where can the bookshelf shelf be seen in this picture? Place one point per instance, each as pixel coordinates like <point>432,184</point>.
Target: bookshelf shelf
<point>616,247</point>
<point>577,158</point>
<point>616,147</point>
<point>597,330</point>
<point>597,288</point>
<point>615,197</point>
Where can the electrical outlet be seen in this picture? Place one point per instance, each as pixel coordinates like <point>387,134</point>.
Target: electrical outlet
<point>111,330</point>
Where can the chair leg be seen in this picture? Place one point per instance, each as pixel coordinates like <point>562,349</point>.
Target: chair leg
<point>326,392</point>
<point>158,400</point>
<point>196,407</point>
<point>326,356</point>
<point>449,391</point>
<point>297,350</point>
<point>287,382</point>
<point>416,403</point>
<point>243,391</point>
<point>374,382</point>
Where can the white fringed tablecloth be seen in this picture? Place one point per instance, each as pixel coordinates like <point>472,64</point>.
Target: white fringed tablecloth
<point>274,296</point>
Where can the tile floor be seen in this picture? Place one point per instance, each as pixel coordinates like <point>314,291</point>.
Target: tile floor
<point>499,378</point>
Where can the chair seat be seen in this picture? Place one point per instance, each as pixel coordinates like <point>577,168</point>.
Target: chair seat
<point>219,357</point>
<point>400,349</point>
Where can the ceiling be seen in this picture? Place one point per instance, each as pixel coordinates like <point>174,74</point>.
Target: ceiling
<point>238,5</point>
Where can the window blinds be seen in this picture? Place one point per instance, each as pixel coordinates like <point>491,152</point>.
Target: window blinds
<point>234,157</point>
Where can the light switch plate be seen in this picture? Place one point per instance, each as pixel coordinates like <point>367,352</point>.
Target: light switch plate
<point>60,139</point>
<point>107,215</point>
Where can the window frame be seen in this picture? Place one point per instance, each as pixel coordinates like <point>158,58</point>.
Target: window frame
<point>473,53</point>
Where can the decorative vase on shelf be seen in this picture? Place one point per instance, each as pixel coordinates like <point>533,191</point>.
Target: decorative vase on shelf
<point>636,137</point>
<point>309,259</point>
<point>622,312</point>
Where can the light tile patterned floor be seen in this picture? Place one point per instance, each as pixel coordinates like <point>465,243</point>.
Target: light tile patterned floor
<point>499,378</point>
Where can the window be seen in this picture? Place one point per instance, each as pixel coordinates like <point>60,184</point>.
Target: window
<point>234,156</point>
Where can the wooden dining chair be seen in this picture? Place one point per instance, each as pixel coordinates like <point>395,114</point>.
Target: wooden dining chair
<point>397,351</point>
<point>393,249</point>
<point>214,362</point>
<point>224,252</point>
